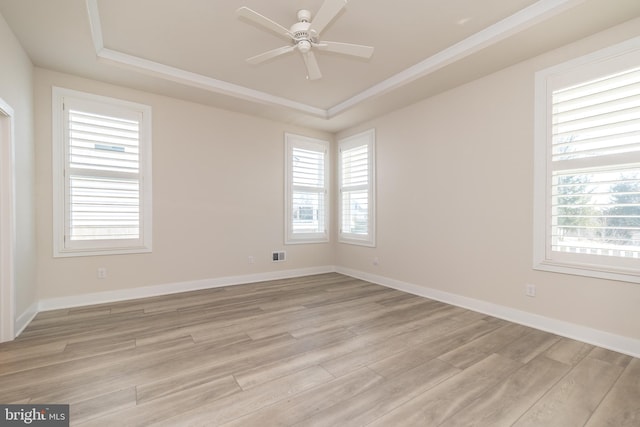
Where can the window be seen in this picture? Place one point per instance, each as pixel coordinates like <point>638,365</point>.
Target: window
<point>102,175</point>
<point>357,189</point>
<point>588,165</point>
<point>307,182</point>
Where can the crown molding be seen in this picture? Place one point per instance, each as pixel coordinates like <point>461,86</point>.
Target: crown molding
<point>519,21</point>
<point>210,84</point>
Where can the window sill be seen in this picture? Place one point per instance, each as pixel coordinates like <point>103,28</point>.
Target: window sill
<point>69,253</point>
<point>357,242</point>
<point>306,241</point>
<point>588,271</point>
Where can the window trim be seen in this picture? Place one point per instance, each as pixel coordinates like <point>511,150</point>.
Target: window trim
<point>587,67</point>
<point>293,141</point>
<point>369,240</point>
<point>59,168</point>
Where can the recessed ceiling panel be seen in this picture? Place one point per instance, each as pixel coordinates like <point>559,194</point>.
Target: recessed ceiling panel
<point>422,47</point>
<point>206,37</point>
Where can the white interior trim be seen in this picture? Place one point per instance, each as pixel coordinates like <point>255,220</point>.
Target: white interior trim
<point>210,84</point>
<point>7,223</point>
<point>23,320</point>
<point>585,334</point>
<point>519,21</point>
<point>173,288</point>
<point>95,25</point>
<point>618,343</point>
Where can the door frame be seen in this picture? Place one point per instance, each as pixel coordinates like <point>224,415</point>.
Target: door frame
<point>7,223</point>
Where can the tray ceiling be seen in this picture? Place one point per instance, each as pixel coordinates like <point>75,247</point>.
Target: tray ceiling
<point>196,49</point>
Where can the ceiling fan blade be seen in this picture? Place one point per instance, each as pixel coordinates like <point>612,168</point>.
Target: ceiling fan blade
<point>313,70</point>
<point>270,54</point>
<point>326,13</point>
<point>346,49</point>
<point>265,22</point>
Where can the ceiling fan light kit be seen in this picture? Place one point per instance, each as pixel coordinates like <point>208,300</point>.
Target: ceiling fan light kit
<point>304,36</point>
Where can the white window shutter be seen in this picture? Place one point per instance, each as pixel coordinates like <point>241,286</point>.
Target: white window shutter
<point>597,118</point>
<point>596,205</point>
<point>102,175</point>
<point>587,165</point>
<point>307,195</point>
<point>357,189</point>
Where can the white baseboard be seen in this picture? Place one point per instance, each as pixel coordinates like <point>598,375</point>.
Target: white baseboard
<point>173,288</point>
<point>25,318</point>
<point>577,332</point>
<point>585,334</point>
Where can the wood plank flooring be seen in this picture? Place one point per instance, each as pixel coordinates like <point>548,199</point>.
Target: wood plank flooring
<point>325,350</point>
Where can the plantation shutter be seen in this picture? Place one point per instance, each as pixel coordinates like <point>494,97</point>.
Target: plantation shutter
<point>597,118</point>
<point>102,189</point>
<point>307,195</point>
<point>355,190</point>
<point>103,205</point>
<point>356,180</point>
<point>104,177</point>
<point>595,166</point>
<point>309,190</point>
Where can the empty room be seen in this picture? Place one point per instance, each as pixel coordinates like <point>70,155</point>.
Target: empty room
<point>320,212</point>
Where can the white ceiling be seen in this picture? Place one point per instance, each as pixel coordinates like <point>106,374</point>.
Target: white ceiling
<point>196,49</point>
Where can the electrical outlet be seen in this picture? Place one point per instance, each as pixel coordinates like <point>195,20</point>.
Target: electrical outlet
<point>530,290</point>
<point>252,260</point>
<point>102,273</point>
<point>375,261</point>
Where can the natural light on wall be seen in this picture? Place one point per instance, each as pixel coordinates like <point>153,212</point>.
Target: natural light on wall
<point>593,164</point>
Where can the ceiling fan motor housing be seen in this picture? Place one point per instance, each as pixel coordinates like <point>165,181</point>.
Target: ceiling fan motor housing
<point>300,30</point>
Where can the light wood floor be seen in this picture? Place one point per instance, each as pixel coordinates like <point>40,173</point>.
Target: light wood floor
<point>321,350</point>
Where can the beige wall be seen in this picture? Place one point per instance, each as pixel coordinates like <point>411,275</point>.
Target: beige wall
<point>454,196</point>
<point>16,89</point>
<point>455,201</point>
<point>218,197</point>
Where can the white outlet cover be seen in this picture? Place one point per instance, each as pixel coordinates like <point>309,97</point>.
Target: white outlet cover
<point>530,290</point>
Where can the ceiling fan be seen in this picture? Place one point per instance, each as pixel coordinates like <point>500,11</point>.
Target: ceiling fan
<point>304,36</point>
